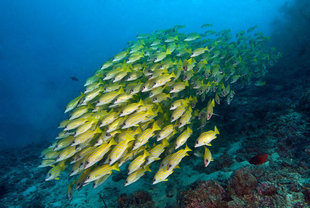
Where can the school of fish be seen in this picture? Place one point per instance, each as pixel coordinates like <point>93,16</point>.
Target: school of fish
<point>159,90</point>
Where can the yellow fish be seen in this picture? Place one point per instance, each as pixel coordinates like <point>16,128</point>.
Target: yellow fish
<point>73,103</point>
<point>98,153</point>
<point>183,137</point>
<point>67,153</point>
<point>178,87</point>
<point>136,118</point>
<point>206,137</point>
<point>112,116</point>
<point>177,113</point>
<point>80,111</point>
<point>55,171</point>
<point>165,132</point>
<point>100,172</point>
<point>145,136</point>
<point>133,177</point>
<point>156,151</point>
<point>162,175</point>
<point>129,109</point>
<point>109,97</point>
<point>207,158</point>
<point>119,149</point>
<point>91,95</point>
<point>137,162</point>
<point>185,118</point>
<point>177,157</point>
<point>88,135</point>
<point>101,180</point>
<point>210,107</point>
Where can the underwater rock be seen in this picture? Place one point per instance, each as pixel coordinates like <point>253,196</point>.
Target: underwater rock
<point>139,199</point>
<point>242,182</point>
<point>307,195</point>
<point>266,189</point>
<point>204,194</point>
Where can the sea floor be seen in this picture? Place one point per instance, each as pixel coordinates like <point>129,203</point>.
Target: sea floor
<point>272,119</point>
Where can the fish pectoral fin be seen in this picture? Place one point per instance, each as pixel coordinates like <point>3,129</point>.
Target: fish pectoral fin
<point>209,144</point>
<point>177,166</point>
<point>166,180</point>
<point>57,178</point>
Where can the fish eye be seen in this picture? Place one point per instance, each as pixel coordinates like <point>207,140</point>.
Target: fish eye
<point>110,160</point>
<point>86,163</point>
<point>154,99</point>
<point>172,88</point>
<point>126,181</point>
<point>180,123</point>
<point>154,180</point>
<point>131,91</point>
<point>169,166</point>
<point>108,134</point>
<point>196,142</point>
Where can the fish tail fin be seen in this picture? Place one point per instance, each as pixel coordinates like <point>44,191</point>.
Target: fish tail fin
<point>189,130</point>
<point>121,90</point>
<point>140,103</point>
<point>165,143</point>
<point>112,142</point>
<point>155,127</point>
<point>129,137</point>
<point>186,83</point>
<point>187,149</point>
<point>147,168</point>
<point>216,130</point>
<point>115,167</point>
<point>146,153</point>
<point>150,112</point>
<point>98,130</point>
<point>172,75</point>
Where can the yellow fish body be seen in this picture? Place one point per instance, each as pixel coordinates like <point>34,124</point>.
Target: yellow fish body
<point>206,137</point>
<point>183,137</point>
<point>137,162</point>
<point>133,177</point>
<point>177,157</point>
<point>119,149</point>
<point>98,153</point>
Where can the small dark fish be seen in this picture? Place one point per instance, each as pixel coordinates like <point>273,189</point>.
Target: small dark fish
<point>74,79</point>
<point>259,159</point>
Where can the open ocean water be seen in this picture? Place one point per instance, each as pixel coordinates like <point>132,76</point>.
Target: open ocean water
<point>190,104</point>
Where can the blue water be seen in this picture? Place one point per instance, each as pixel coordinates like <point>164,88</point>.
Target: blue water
<point>49,48</point>
<point>43,44</point>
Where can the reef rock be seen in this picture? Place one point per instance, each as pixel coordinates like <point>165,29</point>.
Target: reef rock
<point>204,194</point>
<point>242,183</point>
